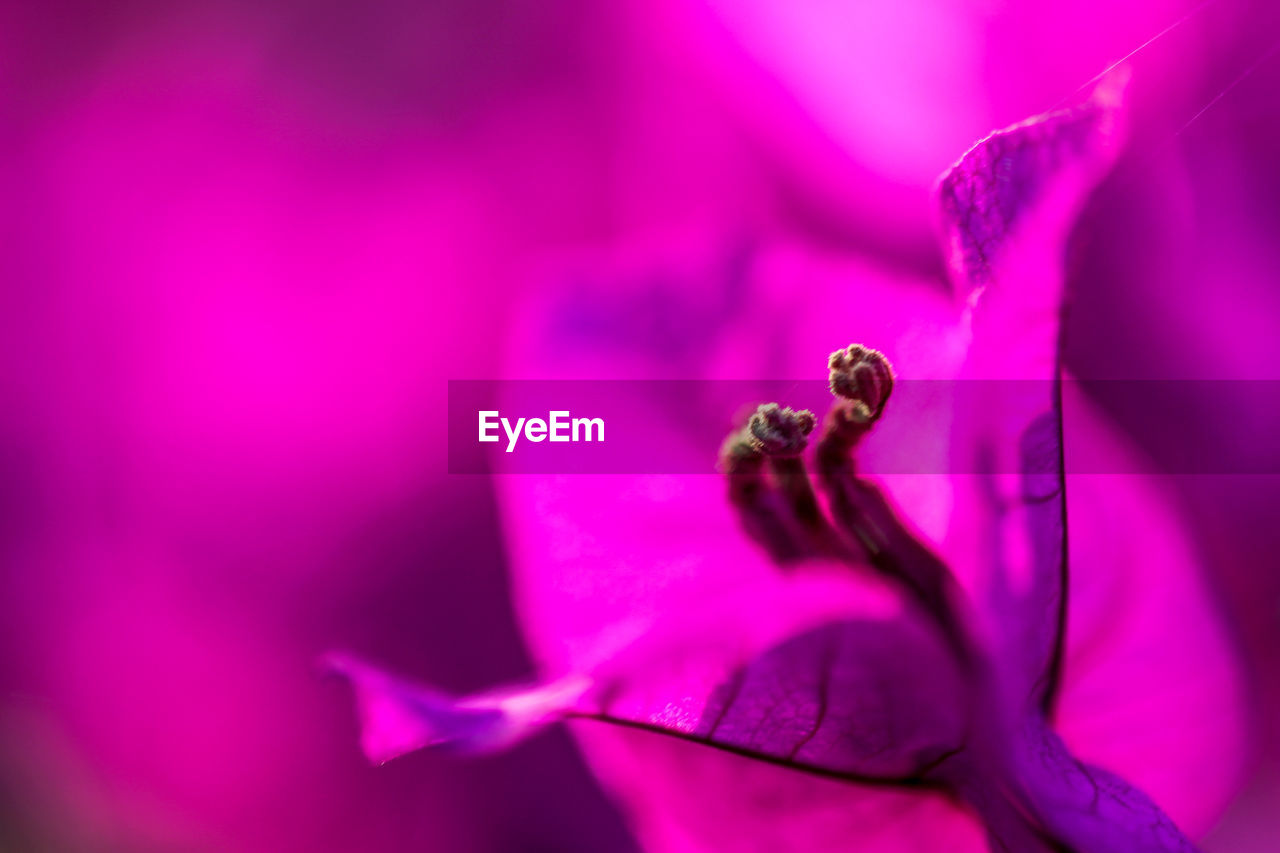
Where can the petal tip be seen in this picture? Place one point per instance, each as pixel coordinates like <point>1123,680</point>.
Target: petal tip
<point>398,717</point>
<point>1026,182</point>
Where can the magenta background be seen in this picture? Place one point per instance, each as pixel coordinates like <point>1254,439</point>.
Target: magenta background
<point>245,245</point>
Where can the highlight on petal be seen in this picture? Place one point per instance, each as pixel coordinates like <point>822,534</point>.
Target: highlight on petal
<point>397,716</point>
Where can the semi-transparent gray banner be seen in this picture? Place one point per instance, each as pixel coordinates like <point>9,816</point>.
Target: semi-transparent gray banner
<point>678,426</point>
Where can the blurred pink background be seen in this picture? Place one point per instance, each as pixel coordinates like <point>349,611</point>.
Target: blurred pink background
<point>245,245</point>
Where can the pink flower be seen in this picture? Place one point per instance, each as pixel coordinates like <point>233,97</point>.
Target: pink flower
<point>883,662</point>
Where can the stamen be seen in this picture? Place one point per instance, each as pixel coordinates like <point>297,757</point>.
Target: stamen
<point>777,435</point>
<point>863,380</point>
<point>781,432</point>
<point>771,489</point>
<point>864,377</point>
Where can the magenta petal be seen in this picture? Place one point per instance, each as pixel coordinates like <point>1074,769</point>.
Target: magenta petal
<point>1152,686</point>
<point>1142,640</point>
<point>1012,197</point>
<point>791,687</point>
<point>684,798</point>
<point>834,700</point>
<point>1089,808</point>
<point>1007,207</point>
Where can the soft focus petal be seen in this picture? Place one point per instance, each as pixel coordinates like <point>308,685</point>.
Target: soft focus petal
<point>771,671</point>
<point>1007,208</point>
<point>1152,685</point>
<point>664,784</point>
<point>1090,808</point>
